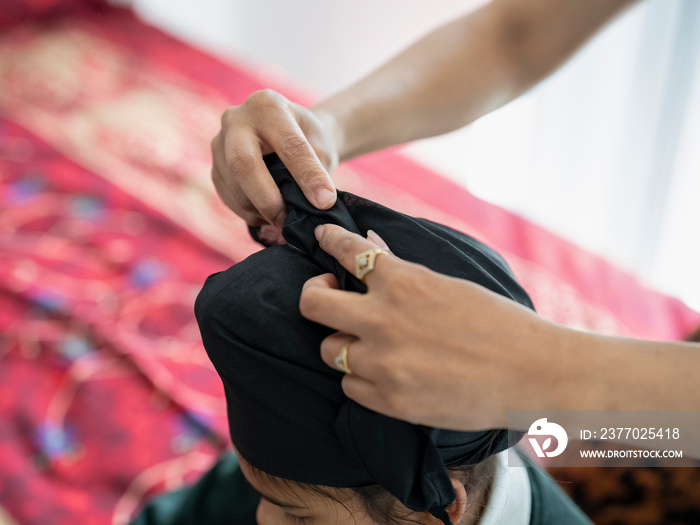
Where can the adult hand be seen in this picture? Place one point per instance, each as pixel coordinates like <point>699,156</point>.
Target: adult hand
<point>430,349</point>
<point>267,122</point>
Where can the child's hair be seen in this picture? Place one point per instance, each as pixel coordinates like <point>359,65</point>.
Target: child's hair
<point>384,508</point>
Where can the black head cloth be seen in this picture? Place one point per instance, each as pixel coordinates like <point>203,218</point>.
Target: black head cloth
<point>287,413</point>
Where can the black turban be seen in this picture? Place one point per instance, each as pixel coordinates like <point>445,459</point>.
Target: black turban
<point>287,413</point>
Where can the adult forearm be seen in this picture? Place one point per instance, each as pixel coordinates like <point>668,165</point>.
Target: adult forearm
<point>462,71</point>
<point>604,382</point>
<point>614,373</point>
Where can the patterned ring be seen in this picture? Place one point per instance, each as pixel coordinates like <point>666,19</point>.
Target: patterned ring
<point>342,360</point>
<point>364,262</point>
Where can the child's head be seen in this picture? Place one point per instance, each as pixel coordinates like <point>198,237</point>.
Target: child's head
<point>288,415</point>
<point>283,501</point>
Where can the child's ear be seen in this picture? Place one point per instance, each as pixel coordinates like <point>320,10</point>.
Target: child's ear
<point>457,508</point>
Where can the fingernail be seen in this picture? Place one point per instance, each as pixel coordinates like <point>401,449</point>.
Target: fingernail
<point>318,232</point>
<point>279,220</point>
<point>325,197</point>
<point>376,239</point>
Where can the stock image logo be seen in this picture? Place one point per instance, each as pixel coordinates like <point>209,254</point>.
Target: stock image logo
<point>542,427</point>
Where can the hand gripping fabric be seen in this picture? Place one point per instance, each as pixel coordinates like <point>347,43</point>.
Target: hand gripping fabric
<point>287,413</point>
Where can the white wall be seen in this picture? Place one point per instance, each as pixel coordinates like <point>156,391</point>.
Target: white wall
<point>325,43</point>
<point>604,152</point>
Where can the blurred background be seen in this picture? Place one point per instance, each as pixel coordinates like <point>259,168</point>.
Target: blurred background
<point>605,152</point>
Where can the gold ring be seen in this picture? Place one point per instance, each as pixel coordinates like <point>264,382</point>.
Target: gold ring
<point>364,262</point>
<point>342,360</point>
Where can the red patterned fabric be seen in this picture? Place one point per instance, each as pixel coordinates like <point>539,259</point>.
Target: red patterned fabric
<point>17,11</point>
<point>108,227</point>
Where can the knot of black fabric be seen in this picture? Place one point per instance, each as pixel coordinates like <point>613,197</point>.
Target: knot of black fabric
<point>287,413</point>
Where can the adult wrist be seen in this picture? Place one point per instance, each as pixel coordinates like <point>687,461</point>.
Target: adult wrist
<point>591,368</point>
<point>566,373</point>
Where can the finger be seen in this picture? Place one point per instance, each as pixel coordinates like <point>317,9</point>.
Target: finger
<point>364,392</point>
<point>338,309</point>
<point>228,190</point>
<point>289,142</point>
<point>312,124</point>
<point>345,245</point>
<point>243,159</point>
<point>327,280</point>
<point>357,358</point>
<point>376,239</point>
<point>231,196</point>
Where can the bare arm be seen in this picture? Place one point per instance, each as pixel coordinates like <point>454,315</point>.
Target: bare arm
<point>631,374</point>
<point>463,70</point>
<point>446,80</point>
